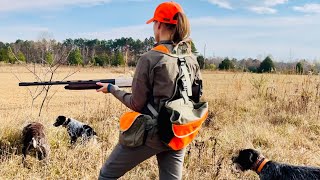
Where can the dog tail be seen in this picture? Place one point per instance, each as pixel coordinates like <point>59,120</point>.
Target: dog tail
<point>34,142</point>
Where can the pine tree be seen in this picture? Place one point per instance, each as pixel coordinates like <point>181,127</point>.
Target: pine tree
<point>266,65</point>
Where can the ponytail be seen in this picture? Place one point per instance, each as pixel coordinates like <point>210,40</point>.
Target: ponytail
<point>181,30</point>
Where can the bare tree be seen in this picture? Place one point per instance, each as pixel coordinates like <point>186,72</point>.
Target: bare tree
<point>52,56</point>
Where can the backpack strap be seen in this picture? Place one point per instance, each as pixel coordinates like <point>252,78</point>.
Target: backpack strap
<point>180,51</point>
<point>152,110</point>
<point>186,81</point>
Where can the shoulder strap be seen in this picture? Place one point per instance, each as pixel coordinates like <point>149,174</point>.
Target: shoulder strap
<point>186,81</point>
<point>180,51</point>
<point>185,86</point>
<point>152,110</point>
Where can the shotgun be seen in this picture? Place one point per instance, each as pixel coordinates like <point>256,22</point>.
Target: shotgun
<point>82,84</point>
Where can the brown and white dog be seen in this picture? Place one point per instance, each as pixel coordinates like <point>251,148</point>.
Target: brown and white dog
<point>33,137</point>
<point>250,159</point>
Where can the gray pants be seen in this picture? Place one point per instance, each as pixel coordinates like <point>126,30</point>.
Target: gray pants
<point>122,159</point>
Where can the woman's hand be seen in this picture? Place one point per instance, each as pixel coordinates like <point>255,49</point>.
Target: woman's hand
<point>104,87</point>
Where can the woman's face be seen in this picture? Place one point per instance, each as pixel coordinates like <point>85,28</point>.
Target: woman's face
<point>156,30</point>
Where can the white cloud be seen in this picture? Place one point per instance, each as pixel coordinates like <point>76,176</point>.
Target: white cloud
<point>15,5</point>
<point>26,5</point>
<point>28,28</point>
<point>136,32</point>
<point>234,22</point>
<point>263,10</point>
<point>308,8</point>
<point>257,6</point>
<point>271,3</point>
<point>221,3</point>
<point>30,32</point>
<point>25,32</point>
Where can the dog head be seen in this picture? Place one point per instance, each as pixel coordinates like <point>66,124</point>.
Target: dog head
<point>246,159</point>
<point>61,120</point>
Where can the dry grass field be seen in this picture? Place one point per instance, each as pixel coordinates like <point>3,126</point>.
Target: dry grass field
<point>277,114</point>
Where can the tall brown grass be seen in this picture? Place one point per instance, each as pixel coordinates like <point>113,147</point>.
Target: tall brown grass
<point>277,114</point>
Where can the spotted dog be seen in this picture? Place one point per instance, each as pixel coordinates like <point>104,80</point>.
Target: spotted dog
<point>33,137</point>
<point>75,129</point>
<point>250,159</point>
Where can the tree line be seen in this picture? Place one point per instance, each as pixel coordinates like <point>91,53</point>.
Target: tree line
<point>114,52</point>
<point>126,51</point>
<point>267,65</point>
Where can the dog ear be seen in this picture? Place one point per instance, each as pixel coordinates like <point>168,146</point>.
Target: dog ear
<point>252,159</point>
<point>254,155</point>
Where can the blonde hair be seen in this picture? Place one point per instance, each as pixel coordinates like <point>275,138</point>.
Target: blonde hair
<point>181,30</point>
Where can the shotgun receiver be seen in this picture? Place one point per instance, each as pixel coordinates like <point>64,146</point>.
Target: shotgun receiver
<point>81,84</point>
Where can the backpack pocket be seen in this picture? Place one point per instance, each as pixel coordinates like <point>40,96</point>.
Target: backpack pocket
<point>134,128</point>
<point>179,122</point>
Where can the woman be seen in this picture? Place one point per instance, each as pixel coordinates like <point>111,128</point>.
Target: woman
<point>153,83</point>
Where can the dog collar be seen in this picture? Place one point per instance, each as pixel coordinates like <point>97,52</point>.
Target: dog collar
<point>264,162</point>
<point>260,163</point>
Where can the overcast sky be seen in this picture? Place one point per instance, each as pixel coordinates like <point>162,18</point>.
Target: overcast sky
<point>287,29</point>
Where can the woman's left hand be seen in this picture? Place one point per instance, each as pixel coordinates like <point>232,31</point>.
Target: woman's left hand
<point>104,87</point>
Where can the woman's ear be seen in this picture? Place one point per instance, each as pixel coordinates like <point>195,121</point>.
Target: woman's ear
<point>158,25</point>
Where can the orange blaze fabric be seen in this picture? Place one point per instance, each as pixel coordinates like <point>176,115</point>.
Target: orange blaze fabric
<point>127,119</point>
<point>161,48</point>
<point>179,143</point>
<point>262,165</point>
<point>189,130</point>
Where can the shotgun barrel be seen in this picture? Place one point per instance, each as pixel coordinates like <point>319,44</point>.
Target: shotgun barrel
<point>82,84</point>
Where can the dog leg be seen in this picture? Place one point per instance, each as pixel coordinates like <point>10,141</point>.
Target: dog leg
<point>73,140</point>
<point>24,153</point>
<point>40,154</point>
<point>25,150</point>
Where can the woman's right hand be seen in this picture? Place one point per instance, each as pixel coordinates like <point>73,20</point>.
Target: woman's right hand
<point>104,87</point>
